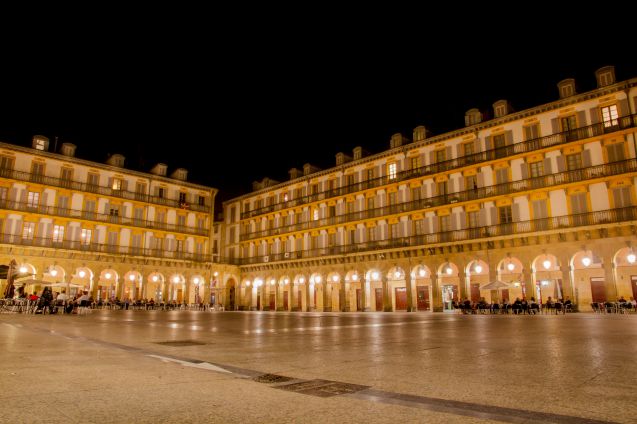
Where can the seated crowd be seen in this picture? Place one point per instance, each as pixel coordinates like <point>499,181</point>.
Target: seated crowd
<point>519,306</point>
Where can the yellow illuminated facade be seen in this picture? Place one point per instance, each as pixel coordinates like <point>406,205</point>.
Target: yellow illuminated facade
<point>540,201</point>
<point>114,232</point>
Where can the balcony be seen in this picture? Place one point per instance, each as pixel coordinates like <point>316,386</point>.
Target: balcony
<point>528,146</point>
<point>92,216</point>
<point>514,187</point>
<point>609,216</point>
<point>93,188</point>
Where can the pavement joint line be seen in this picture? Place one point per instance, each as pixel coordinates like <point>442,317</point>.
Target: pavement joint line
<point>482,411</point>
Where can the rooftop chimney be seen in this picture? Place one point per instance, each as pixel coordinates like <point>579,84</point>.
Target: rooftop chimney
<point>566,88</point>
<point>605,76</point>
<point>40,142</point>
<point>341,158</point>
<point>179,174</point>
<point>68,149</point>
<point>116,160</point>
<point>294,173</point>
<point>159,169</point>
<point>472,117</point>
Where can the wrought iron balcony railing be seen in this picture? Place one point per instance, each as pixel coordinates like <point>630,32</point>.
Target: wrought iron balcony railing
<point>514,187</point>
<point>625,122</point>
<point>564,222</point>
<point>93,216</point>
<point>97,189</point>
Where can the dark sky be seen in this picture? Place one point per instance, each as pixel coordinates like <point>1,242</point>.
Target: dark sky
<point>235,113</point>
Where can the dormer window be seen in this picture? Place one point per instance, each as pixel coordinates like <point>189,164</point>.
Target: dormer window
<point>40,144</point>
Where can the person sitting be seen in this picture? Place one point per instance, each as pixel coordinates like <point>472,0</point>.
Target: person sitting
<point>517,306</point>
<point>534,307</point>
<point>525,305</point>
<point>45,301</point>
<point>621,299</point>
<point>568,305</point>
<point>549,304</point>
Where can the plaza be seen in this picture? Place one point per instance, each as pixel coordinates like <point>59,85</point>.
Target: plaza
<point>113,366</point>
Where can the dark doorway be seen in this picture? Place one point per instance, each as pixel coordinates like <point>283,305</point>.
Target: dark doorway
<point>423,298</point>
<point>272,301</point>
<point>358,300</point>
<point>598,289</point>
<point>379,299</point>
<point>401,298</point>
<point>475,292</point>
<point>285,300</point>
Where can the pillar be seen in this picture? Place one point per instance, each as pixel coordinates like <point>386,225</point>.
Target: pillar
<point>410,293</point>
<point>567,281</point>
<point>327,299</point>
<point>609,279</point>
<point>342,300</point>
<point>436,300</point>
<point>306,288</point>
<point>463,282</point>
<point>528,282</point>
<point>365,286</point>
<point>387,306</point>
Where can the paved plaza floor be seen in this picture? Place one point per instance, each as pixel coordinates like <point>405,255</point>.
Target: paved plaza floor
<point>263,367</point>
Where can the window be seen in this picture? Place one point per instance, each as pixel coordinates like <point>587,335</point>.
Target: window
<point>502,175</point>
<point>200,224</point>
<point>370,203</point>
<point>540,209</point>
<point>415,162</point>
<point>573,161</point>
<point>371,234</point>
<point>314,189</point>
<point>40,144</point>
<point>394,231</point>
<point>506,214</point>
<point>578,203</point>
<point>93,179</point>
<point>440,156</point>
<point>181,220</point>
<point>6,162</point>
<point>416,193</point>
<point>419,227</point>
<point>352,236</point>
<point>468,149</point>
<point>536,169</point>
<point>3,193</point>
<point>442,188</point>
<point>58,233</point>
<point>117,184</point>
<point>315,214</point>
<point>615,152</point>
<point>445,223</point>
<point>473,219</point>
<point>471,182</point>
<point>331,240</point>
<point>201,200</point>
<point>66,174</point>
<point>33,199</point>
<point>621,197</point>
<point>182,197</point>
<point>532,132</point>
<point>392,198</point>
<point>391,171</point>
<point>569,123</point>
<point>161,192</point>
<point>28,229</point>
<point>350,207</point>
<point>610,116</point>
<point>286,197</point>
<point>140,188</point>
<point>85,236</point>
<point>113,211</point>
<point>331,211</point>
<point>180,246</point>
<point>138,214</point>
<point>370,174</point>
<point>232,237</point>
<point>349,179</point>
<point>499,143</point>
<point>37,169</point>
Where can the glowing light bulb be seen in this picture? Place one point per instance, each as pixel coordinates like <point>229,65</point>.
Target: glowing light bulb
<point>271,282</point>
<point>355,277</point>
<point>478,269</point>
<point>397,274</point>
<point>586,261</point>
<point>175,279</point>
<point>317,279</point>
<point>301,280</point>
<point>108,275</point>
<point>422,272</point>
<point>216,273</point>
<point>23,269</point>
<point>196,280</point>
<point>155,278</point>
<point>375,275</point>
<point>82,274</point>
<point>631,258</point>
<point>248,283</point>
<point>510,266</point>
<point>335,278</point>
<point>131,277</point>
<point>449,270</point>
<point>53,272</point>
<point>546,264</point>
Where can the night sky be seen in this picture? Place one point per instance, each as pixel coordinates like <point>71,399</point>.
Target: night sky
<point>232,115</point>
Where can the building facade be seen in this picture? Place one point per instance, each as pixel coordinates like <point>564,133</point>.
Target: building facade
<point>535,203</point>
<point>115,232</point>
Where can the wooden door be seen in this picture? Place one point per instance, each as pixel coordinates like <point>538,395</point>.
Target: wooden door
<point>300,300</point>
<point>505,295</point>
<point>401,298</point>
<point>272,301</point>
<point>379,299</point>
<point>423,298</point>
<point>180,296</point>
<point>285,300</point>
<point>598,289</point>
<point>633,284</point>
<point>358,300</point>
<point>231,299</point>
<point>258,301</point>
<point>315,297</point>
<point>475,292</point>
<point>455,293</point>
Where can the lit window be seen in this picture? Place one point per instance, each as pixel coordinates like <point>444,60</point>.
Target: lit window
<point>40,145</point>
<point>117,184</point>
<point>33,199</point>
<point>27,230</point>
<point>609,116</point>
<point>85,236</point>
<point>315,214</point>
<point>58,233</point>
<point>285,197</point>
<point>391,171</point>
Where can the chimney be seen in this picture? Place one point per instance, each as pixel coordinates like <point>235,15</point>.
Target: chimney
<point>159,169</point>
<point>501,108</point>
<point>605,76</point>
<point>40,142</point>
<point>341,158</point>
<point>420,133</point>
<point>179,174</point>
<point>68,149</point>
<point>116,160</point>
<point>397,140</point>
<point>294,173</point>
<point>472,117</point>
<point>566,88</point>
